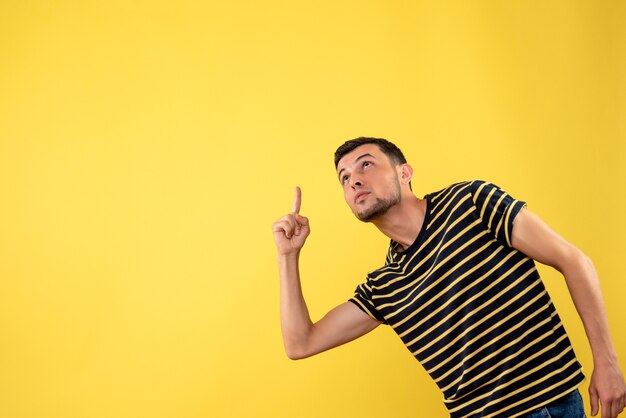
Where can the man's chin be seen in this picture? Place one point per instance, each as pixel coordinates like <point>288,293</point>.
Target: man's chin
<point>375,211</point>
<point>367,216</point>
<point>362,219</point>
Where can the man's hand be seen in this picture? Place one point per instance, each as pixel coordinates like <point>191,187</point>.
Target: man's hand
<point>291,231</point>
<point>607,386</point>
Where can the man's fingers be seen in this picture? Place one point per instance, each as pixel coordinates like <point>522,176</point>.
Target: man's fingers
<point>616,407</point>
<point>283,227</point>
<point>593,398</point>
<point>607,410</point>
<point>297,200</point>
<point>291,224</point>
<point>301,220</point>
<point>285,224</point>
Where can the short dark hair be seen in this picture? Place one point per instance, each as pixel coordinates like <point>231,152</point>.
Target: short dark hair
<point>389,149</point>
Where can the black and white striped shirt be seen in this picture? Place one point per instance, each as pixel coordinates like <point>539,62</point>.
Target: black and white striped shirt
<point>472,309</point>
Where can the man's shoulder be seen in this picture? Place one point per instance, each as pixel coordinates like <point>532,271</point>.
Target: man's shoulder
<point>461,187</point>
<point>470,186</point>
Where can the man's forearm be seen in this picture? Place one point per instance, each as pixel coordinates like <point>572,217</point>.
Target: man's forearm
<point>606,387</point>
<point>582,280</point>
<point>294,316</point>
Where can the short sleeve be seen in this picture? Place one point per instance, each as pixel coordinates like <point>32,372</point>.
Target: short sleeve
<point>496,208</point>
<point>363,300</point>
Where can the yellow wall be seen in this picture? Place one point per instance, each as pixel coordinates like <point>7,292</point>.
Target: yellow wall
<point>146,147</point>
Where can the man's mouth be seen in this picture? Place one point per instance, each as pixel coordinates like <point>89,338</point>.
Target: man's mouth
<point>360,196</point>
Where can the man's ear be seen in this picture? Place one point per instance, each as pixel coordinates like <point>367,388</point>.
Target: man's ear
<point>406,173</point>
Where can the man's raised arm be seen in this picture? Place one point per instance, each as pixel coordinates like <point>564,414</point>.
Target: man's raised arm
<point>535,239</point>
<point>303,338</point>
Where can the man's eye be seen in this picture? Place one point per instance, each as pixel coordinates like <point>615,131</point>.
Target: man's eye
<point>366,164</point>
<point>344,179</point>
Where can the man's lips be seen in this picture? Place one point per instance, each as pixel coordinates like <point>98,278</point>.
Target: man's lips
<point>360,196</point>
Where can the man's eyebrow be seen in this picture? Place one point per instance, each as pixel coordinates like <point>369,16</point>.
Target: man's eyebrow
<point>356,161</point>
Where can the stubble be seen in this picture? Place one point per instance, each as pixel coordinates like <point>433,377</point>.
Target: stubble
<point>382,205</point>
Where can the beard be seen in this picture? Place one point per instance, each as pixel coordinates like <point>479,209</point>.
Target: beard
<point>381,206</point>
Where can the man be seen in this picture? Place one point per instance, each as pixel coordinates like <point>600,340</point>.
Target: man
<point>460,288</point>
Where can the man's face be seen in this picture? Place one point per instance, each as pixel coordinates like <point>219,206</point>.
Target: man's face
<point>370,182</point>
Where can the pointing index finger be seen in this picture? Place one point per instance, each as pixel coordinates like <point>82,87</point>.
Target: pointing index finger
<point>297,200</point>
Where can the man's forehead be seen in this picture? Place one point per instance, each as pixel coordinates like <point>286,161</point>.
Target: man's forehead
<point>350,157</point>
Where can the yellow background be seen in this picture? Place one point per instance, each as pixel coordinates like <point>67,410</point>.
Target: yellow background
<point>146,147</point>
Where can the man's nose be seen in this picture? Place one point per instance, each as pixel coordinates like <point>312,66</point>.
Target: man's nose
<point>356,182</point>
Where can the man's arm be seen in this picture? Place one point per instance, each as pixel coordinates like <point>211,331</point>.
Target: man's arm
<point>303,338</point>
<point>538,241</point>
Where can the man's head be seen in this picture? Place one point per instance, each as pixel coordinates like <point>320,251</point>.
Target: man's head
<point>389,149</point>
<point>373,173</point>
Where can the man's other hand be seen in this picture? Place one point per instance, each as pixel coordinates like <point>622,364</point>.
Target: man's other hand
<point>607,391</point>
<point>291,231</point>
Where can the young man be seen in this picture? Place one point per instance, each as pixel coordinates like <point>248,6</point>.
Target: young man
<point>460,288</point>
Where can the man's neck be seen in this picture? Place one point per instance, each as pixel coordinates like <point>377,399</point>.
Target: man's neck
<point>403,222</point>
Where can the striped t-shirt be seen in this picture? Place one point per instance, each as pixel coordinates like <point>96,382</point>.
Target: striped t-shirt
<point>472,309</point>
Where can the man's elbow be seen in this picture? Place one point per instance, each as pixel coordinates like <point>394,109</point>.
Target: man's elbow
<point>295,346</point>
<point>296,353</point>
<point>575,260</point>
